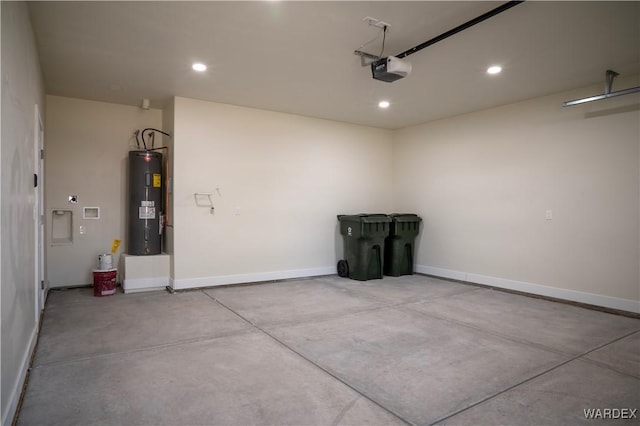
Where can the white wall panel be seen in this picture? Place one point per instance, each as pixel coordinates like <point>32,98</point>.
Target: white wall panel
<point>282,179</point>
<point>484,181</point>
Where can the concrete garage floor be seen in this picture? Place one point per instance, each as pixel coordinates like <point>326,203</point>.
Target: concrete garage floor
<point>330,351</point>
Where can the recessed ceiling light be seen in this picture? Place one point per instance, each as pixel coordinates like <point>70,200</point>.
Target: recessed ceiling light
<point>495,69</point>
<point>199,67</point>
<point>384,104</point>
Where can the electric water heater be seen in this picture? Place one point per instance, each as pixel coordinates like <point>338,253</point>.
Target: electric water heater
<point>145,203</point>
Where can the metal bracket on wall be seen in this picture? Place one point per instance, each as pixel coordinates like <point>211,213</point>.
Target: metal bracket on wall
<point>610,75</point>
<point>201,196</point>
<point>366,59</point>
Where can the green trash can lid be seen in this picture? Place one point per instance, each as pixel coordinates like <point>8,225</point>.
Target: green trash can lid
<point>365,218</point>
<point>405,217</point>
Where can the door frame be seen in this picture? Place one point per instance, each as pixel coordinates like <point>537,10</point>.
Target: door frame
<point>41,286</point>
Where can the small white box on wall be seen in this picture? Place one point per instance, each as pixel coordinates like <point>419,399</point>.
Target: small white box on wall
<point>91,212</point>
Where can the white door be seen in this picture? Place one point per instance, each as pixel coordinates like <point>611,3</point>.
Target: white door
<point>39,215</point>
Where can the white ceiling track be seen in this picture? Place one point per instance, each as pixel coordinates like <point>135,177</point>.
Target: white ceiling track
<point>610,76</point>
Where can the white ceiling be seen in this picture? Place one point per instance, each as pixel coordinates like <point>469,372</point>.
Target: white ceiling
<point>297,57</point>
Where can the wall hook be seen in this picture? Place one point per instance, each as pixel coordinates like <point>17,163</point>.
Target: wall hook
<point>200,196</point>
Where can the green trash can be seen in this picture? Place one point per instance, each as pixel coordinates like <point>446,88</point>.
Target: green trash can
<point>363,236</point>
<point>399,245</point>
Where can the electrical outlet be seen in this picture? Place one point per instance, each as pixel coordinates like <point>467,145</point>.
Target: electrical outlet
<point>236,211</point>
<point>548,215</point>
<point>83,230</point>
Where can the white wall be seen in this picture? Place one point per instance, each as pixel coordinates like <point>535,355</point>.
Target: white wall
<point>22,89</point>
<point>483,182</point>
<point>288,177</point>
<point>87,145</point>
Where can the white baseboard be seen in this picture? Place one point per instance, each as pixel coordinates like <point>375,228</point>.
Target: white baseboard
<point>439,272</point>
<point>9,411</point>
<point>135,285</point>
<point>186,283</point>
<point>627,305</point>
